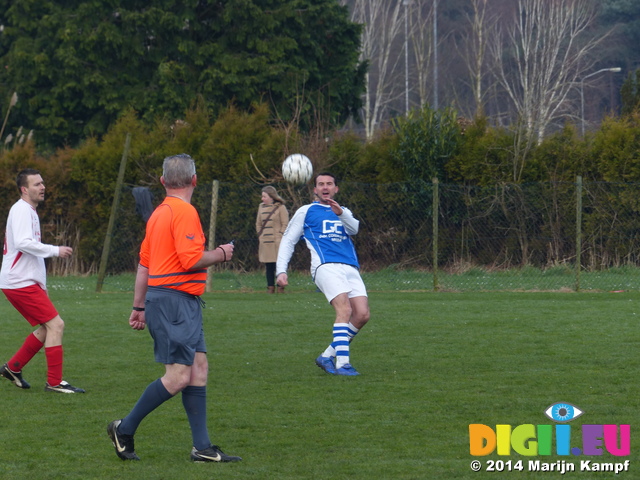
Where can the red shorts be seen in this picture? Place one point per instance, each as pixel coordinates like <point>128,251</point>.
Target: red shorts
<point>33,304</point>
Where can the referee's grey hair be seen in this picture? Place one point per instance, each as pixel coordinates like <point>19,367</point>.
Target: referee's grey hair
<point>178,170</point>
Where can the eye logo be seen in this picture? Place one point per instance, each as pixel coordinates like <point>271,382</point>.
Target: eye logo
<point>563,412</point>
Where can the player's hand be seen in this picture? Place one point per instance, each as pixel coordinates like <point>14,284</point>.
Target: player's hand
<point>282,280</point>
<point>137,320</point>
<point>335,206</point>
<point>64,252</point>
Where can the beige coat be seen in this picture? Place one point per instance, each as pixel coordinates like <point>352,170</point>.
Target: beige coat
<point>272,232</point>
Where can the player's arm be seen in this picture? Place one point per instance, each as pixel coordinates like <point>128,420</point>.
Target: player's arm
<point>24,241</point>
<point>292,234</point>
<point>349,222</point>
<point>39,249</point>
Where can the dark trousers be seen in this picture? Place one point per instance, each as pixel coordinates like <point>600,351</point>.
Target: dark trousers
<point>271,274</point>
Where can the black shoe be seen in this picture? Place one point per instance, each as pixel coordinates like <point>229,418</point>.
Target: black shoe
<point>15,377</point>
<point>64,387</point>
<point>212,454</point>
<point>122,443</point>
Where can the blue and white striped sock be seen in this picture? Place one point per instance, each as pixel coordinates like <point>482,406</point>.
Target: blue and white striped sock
<point>351,332</point>
<point>343,333</point>
<point>341,343</point>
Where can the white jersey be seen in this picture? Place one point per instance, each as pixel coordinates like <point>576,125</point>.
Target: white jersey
<point>24,253</point>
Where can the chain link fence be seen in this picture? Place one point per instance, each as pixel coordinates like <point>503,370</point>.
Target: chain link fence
<point>430,236</point>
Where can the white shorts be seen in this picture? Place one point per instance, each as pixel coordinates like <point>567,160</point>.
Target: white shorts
<point>335,278</point>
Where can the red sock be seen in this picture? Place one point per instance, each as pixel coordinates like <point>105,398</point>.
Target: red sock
<point>27,351</point>
<point>54,364</point>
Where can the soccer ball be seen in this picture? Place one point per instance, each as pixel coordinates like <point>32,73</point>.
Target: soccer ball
<point>297,169</point>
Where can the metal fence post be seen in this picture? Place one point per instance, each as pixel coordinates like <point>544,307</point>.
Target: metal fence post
<point>578,230</point>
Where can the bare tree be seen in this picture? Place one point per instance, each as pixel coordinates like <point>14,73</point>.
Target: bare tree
<point>473,52</point>
<point>420,14</point>
<point>382,28</point>
<point>542,56</point>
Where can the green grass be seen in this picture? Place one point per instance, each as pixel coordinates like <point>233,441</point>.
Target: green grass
<point>431,364</point>
<point>560,278</point>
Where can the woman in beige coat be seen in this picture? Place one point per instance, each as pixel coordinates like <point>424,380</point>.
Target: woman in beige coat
<point>271,222</point>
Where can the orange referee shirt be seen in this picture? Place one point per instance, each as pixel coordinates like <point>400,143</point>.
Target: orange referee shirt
<point>173,243</point>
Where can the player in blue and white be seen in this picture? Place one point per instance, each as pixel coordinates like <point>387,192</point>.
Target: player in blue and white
<point>327,228</point>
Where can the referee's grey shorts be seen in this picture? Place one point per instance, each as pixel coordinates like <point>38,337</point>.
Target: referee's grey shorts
<point>174,319</point>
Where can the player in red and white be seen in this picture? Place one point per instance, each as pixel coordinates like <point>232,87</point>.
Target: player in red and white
<point>23,280</point>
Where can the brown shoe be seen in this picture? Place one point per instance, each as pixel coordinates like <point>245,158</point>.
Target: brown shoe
<point>271,289</point>
<point>280,289</point>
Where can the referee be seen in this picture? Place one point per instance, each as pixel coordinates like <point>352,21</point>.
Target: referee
<point>171,277</point>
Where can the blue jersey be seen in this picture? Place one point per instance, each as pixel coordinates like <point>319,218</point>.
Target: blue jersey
<point>327,235</point>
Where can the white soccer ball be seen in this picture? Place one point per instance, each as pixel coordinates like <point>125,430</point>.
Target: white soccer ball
<point>297,169</point>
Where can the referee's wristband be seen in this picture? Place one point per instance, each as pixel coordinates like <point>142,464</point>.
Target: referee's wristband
<point>138,309</point>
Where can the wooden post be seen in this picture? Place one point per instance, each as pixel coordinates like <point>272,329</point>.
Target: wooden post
<point>102,270</point>
<point>436,209</point>
<point>578,230</point>
<point>215,187</point>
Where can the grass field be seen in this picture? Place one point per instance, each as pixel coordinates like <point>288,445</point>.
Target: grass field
<point>559,279</point>
<point>431,364</point>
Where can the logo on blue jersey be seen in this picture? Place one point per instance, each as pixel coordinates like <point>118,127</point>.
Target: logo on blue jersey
<point>331,226</point>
